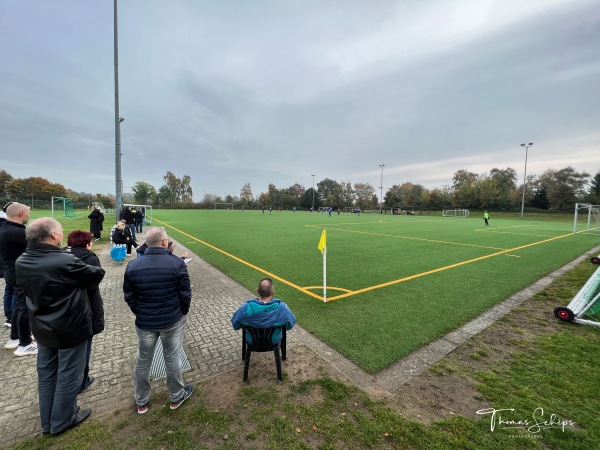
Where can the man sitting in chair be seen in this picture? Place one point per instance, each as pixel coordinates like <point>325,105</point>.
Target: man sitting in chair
<point>264,312</point>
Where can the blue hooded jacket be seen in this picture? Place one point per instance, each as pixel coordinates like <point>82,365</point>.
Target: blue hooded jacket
<point>257,314</point>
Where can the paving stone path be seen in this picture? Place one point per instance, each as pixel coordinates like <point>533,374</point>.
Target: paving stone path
<point>211,345</point>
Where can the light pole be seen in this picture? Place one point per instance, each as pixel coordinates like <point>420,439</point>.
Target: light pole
<point>381,188</point>
<point>313,189</point>
<point>118,120</point>
<point>524,177</point>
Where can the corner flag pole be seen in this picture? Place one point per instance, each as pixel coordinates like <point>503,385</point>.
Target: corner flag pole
<point>323,247</point>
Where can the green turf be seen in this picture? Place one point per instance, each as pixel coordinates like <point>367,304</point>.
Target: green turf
<point>455,278</point>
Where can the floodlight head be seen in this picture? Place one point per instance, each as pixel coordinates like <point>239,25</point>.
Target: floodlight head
<point>121,119</point>
<point>522,145</point>
<point>531,143</point>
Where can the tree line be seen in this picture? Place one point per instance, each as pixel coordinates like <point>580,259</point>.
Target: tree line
<point>497,190</point>
<point>38,192</point>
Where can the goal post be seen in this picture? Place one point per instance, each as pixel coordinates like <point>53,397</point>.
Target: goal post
<point>64,205</point>
<point>584,213</point>
<point>223,206</point>
<point>458,212</point>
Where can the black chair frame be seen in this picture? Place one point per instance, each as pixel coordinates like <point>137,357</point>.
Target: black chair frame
<point>262,342</point>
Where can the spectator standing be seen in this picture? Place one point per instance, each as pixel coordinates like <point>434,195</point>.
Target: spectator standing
<point>80,245</point>
<point>96,218</point>
<point>8,293</point>
<point>158,291</point>
<point>266,311</point>
<point>12,244</point>
<point>55,282</point>
<point>129,218</point>
<point>139,220</point>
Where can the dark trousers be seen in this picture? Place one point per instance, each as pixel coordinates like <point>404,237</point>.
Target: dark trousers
<point>9,300</point>
<point>59,380</point>
<point>86,370</point>
<point>20,326</point>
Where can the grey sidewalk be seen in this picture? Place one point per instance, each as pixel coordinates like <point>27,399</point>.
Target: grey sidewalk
<point>211,345</point>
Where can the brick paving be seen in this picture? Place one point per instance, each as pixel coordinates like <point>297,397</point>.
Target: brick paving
<point>211,345</point>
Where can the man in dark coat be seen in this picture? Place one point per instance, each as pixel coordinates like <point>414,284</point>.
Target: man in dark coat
<point>12,244</point>
<point>55,282</point>
<point>139,220</point>
<point>158,291</point>
<point>129,218</point>
<point>7,293</point>
<point>96,218</point>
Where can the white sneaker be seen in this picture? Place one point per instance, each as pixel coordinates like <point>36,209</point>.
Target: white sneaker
<point>11,344</point>
<point>30,349</point>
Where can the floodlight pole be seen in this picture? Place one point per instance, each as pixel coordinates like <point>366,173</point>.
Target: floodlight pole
<point>381,189</point>
<point>118,120</point>
<point>524,177</point>
<point>313,189</point>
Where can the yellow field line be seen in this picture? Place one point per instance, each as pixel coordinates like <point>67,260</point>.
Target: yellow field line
<point>411,238</point>
<point>513,233</point>
<point>367,289</point>
<point>266,272</point>
<point>441,269</point>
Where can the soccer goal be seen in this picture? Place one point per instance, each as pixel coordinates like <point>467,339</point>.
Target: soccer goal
<point>63,206</point>
<point>455,212</point>
<point>585,306</point>
<point>584,213</point>
<point>223,206</point>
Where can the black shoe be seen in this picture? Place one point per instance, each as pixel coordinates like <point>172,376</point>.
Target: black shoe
<point>77,419</point>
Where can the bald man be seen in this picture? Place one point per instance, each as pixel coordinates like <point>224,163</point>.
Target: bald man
<point>12,244</point>
<point>56,284</point>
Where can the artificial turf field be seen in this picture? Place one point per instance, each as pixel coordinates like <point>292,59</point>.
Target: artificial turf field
<point>394,283</point>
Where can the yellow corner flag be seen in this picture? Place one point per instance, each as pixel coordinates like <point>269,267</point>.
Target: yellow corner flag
<point>322,241</point>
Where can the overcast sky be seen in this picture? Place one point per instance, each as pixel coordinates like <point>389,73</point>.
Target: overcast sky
<point>274,91</point>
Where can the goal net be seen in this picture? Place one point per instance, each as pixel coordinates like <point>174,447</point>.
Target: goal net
<point>455,212</point>
<point>62,206</point>
<point>587,217</point>
<point>223,205</point>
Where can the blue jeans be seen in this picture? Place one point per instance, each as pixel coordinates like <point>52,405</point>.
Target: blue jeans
<point>59,379</point>
<point>171,339</point>
<point>8,300</point>
<point>132,228</point>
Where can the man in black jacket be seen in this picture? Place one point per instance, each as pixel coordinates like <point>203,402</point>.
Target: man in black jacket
<point>12,244</point>
<point>55,282</point>
<point>129,218</point>
<point>158,291</point>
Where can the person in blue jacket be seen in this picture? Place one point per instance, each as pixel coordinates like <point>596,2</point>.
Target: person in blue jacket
<point>264,312</point>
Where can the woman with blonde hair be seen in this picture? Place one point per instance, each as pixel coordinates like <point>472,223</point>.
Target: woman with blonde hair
<point>122,235</point>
